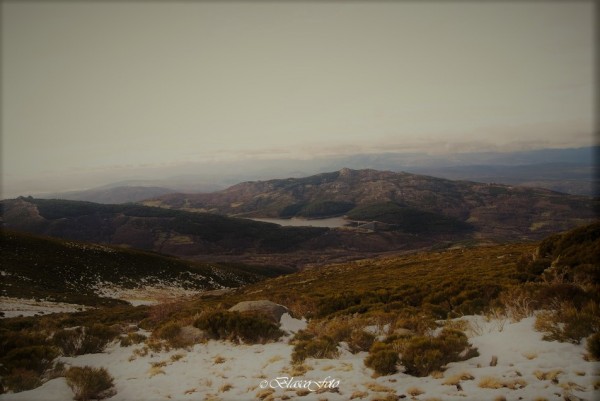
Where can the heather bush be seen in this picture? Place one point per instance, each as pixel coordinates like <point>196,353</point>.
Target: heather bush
<point>131,339</point>
<point>22,380</point>
<point>421,355</point>
<point>593,346</point>
<point>307,345</point>
<point>84,340</point>
<point>236,326</point>
<point>567,323</point>
<point>383,359</point>
<point>37,358</point>
<point>90,383</point>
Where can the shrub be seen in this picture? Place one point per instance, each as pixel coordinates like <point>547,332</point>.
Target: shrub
<point>383,359</point>
<point>21,380</point>
<point>422,355</point>
<point>566,323</point>
<point>84,340</point>
<point>309,346</point>
<point>132,338</point>
<point>593,345</point>
<point>90,383</point>
<point>235,326</point>
<point>36,358</point>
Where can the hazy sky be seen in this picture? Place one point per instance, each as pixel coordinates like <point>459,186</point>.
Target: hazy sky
<point>94,86</point>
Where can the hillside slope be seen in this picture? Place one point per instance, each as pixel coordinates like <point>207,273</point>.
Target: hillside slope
<point>86,273</point>
<point>493,211</point>
<point>167,231</point>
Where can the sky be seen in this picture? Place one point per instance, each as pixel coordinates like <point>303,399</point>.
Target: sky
<point>100,89</point>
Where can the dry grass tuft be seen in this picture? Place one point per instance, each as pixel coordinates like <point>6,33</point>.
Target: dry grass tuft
<point>437,374</point>
<point>225,387</point>
<point>490,382</point>
<point>414,391</point>
<point>550,375</point>
<point>530,355</point>
<point>359,394</point>
<point>378,388</point>
<point>219,359</point>
<point>262,394</point>
<point>455,379</point>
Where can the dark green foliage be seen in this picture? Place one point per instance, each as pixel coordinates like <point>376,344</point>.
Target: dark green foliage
<point>573,255</point>
<point>22,380</point>
<point>307,345</point>
<point>139,226</point>
<point>408,219</point>
<point>383,359</point>
<point>421,355</point>
<point>321,209</point>
<point>90,383</point>
<point>36,358</point>
<point>568,323</point>
<point>236,326</point>
<point>593,345</point>
<point>291,210</point>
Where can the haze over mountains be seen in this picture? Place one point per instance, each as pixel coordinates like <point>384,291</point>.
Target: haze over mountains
<point>570,170</point>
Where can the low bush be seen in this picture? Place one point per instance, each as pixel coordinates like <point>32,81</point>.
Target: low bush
<point>90,383</point>
<point>132,338</point>
<point>566,323</point>
<point>37,358</point>
<point>593,346</point>
<point>84,340</point>
<point>236,326</point>
<point>21,380</point>
<point>383,359</point>
<point>422,355</point>
<point>307,345</point>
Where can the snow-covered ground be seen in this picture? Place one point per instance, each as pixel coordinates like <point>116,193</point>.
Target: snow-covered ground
<point>13,307</point>
<point>223,371</point>
<point>147,295</point>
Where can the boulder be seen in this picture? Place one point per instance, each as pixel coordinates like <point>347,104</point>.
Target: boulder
<point>270,309</point>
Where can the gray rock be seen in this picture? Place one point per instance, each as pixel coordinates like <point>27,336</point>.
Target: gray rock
<point>270,309</point>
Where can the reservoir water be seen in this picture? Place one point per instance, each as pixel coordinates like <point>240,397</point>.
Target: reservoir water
<point>332,222</point>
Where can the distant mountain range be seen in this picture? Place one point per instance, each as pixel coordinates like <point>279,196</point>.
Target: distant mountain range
<point>572,170</point>
<point>396,212</point>
<point>111,195</point>
<point>411,203</point>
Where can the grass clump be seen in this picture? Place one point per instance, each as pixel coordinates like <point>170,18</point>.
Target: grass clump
<point>90,383</point>
<point>238,327</point>
<point>307,345</point>
<point>422,355</point>
<point>383,359</point>
<point>132,339</point>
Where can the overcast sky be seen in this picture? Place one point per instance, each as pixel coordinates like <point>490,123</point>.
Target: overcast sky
<point>92,86</point>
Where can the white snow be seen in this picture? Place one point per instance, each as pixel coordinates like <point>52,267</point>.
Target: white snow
<point>13,307</point>
<point>225,371</point>
<point>147,295</point>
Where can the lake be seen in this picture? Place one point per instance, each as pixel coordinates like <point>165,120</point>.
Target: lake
<point>332,222</point>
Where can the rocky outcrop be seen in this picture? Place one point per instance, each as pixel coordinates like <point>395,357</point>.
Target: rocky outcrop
<point>270,309</point>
